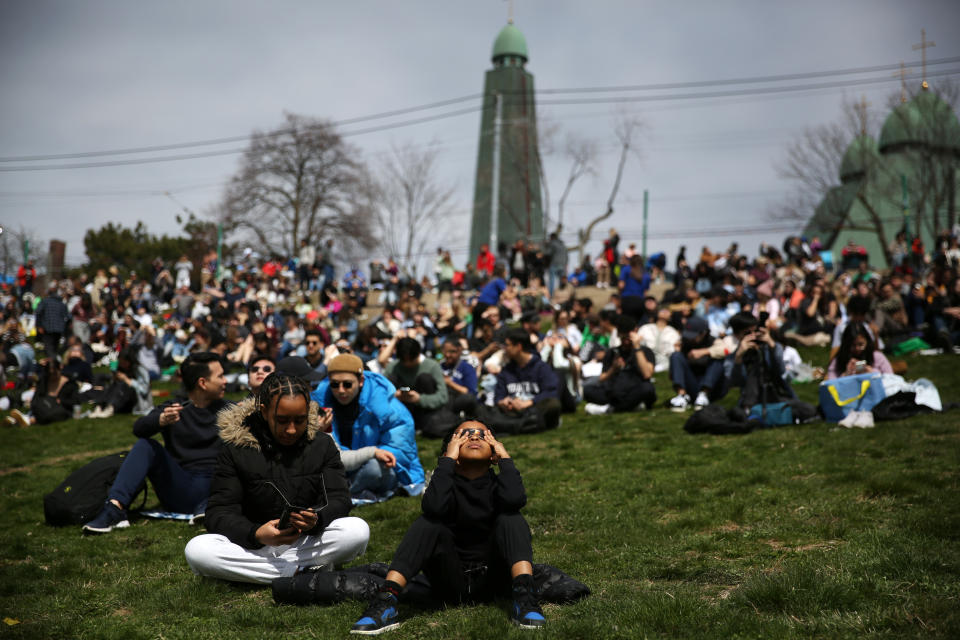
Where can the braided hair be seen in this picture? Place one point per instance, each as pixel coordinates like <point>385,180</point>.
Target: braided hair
<point>279,385</point>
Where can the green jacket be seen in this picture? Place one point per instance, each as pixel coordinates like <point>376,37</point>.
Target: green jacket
<point>400,376</point>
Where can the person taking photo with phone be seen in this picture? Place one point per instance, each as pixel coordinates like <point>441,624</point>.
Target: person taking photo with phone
<point>279,499</point>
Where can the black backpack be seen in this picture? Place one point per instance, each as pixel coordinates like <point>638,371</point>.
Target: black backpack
<point>81,496</point>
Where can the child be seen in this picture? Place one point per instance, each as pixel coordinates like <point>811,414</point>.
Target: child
<point>471,541</point>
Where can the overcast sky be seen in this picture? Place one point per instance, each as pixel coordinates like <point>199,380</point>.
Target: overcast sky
<point>99,75</point>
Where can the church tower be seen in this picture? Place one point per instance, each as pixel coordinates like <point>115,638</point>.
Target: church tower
<point>506,201</point>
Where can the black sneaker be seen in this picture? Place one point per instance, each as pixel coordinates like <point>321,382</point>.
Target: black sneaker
<point>110,517</point>
<point>527,613</point>
<point>380,616</point>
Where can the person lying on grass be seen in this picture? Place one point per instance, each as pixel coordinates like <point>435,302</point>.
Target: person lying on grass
<point>279,499</point>
<point>471,542</point>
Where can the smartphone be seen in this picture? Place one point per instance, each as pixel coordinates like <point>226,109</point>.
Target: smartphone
<point>404,389</point>
<point>860,366</point>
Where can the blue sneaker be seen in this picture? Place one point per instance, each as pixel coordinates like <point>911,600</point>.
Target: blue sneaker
<point>527,613</point>
<point>110,517</point>
<point>381,615</point>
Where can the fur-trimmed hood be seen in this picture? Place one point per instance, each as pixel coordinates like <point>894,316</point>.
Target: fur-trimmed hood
<point>234,423</point>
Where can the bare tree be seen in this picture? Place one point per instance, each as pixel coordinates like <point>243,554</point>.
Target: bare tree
<point>625,130</point>
<point>299,181</point>
<point>411,206</point>
<point>13,243</point>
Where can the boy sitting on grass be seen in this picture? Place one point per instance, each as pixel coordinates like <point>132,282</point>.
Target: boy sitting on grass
<point>471,541</point>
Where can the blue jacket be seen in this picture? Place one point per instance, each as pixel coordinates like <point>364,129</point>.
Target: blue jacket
<point>382,422</point>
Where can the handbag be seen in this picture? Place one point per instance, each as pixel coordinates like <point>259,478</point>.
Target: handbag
<point>840,396</point>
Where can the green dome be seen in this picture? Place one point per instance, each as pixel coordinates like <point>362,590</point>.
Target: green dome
<point>857,158</point>
<point>925,120</point>
<point>510,42</point>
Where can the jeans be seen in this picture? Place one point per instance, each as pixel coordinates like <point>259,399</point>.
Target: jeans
<point>711,380</point>
<point>373,476</point>
<point>553,275</point>
<point>25,357</point>
<point>177,489</point>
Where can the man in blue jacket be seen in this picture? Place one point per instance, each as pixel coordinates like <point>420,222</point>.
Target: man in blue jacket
<point>527,395</point>
<point>367,413</point>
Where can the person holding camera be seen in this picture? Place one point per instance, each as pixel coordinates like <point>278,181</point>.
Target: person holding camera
<point>279,498</point>
<point>625,383</point>
<point>471,542</point>
<point>757,364</point>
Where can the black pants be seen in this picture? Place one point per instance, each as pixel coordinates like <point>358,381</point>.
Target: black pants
<point>430,546</point>
<point>423,419</point>
<point>622,392</point>
<point>51,344</point>
<point>540,417</point>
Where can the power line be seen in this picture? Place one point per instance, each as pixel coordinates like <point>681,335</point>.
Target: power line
<point>607,100</point>
<point>475,96</point>
<point>737,92</point>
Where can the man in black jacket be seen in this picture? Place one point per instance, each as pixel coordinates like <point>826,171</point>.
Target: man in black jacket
<point>471,542</point>
<point>280,499</point>
<point>181,468</point>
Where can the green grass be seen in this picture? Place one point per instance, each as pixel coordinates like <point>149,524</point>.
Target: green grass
<point>798,532</point>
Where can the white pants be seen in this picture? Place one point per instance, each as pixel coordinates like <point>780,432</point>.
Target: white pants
<point>214,556</point>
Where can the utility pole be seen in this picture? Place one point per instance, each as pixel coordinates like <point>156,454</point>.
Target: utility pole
<point>646,206</point>
<point>495,181</point>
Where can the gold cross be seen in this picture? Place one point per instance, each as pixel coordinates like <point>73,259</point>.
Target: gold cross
<point>923,46</point>
<point>903,73</point>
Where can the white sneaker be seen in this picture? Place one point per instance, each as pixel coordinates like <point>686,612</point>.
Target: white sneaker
<point>597,409</point>
<point>701,401</point>
<point>848,420</point>
<point>680,403</point>
<point>864,419</point>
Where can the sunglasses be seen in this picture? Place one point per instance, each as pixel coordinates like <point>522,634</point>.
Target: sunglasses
<point>313,342</point>
<point>472,431</point>
<point>346,384</point>
<point>266,369</point>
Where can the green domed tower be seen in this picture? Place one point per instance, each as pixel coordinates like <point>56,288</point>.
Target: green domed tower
<point>506,202</point>
<point>908,180</point>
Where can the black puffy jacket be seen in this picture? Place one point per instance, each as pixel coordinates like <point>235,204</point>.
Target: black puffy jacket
<point>309,474</point>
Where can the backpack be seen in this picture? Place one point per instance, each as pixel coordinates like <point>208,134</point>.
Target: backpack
<point>80,497</point>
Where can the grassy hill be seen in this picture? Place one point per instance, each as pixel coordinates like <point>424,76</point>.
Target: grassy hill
<point>806,531</point>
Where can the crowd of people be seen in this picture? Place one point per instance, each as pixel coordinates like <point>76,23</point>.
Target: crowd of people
<point>340,374</point>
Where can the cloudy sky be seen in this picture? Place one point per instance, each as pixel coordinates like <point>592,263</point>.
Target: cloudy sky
<point>98,75</point>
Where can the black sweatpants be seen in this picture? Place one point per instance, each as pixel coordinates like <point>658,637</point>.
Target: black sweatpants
<point>430,546</point>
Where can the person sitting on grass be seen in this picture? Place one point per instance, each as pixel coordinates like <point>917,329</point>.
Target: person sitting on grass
<point>367,413</point>
<point>182,467</point>
<point>128,391</point>
<point>857,354</point>
<point>471,542</point>
<point>259,367</point>
<point>279,499</point>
